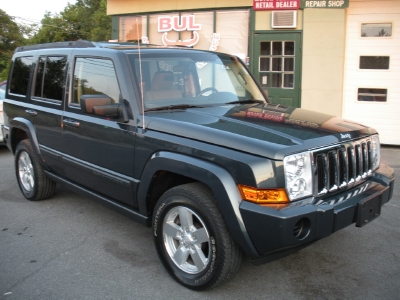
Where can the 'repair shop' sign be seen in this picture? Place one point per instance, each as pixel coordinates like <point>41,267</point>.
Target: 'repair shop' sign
<point>324,4</point>
<point>296,4</point>
<point>275,4</point>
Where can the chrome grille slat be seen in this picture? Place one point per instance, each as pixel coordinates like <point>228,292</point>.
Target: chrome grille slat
<point>358,162</point>
<point>344,168</point>
<point>333,171</point>
<point>341,166</point>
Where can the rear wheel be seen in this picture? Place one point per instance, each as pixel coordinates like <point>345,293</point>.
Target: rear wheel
<point>30,174</point>
<point>192,239</point>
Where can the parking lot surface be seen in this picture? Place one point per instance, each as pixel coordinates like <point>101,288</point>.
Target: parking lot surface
<point>69,247</point>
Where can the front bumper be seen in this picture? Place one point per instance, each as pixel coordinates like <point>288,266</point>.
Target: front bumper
<point>276,232</point>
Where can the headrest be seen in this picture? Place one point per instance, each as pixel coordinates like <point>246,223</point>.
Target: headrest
<point>163,80</point>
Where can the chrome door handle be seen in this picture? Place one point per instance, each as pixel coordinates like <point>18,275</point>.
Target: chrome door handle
<point>31,112</point>
<point>71,123</point>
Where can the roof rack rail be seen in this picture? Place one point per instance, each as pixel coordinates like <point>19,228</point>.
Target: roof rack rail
<point>72,44</point>
<point>78,44</point>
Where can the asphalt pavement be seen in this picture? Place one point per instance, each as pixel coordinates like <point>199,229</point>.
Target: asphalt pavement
<point>69,247</point>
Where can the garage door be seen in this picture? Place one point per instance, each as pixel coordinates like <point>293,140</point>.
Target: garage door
<point>372,68</point>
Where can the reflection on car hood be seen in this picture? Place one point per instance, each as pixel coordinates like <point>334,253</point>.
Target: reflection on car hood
<point>263,129</point>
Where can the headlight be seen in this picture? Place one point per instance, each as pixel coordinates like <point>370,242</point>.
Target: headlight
<point>375,152</point>
<point>298,175</point>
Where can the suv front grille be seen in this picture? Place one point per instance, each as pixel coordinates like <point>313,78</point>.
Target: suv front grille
<point>341,166</point>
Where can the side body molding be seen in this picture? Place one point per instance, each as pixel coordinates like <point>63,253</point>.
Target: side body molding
<point>216,178</point>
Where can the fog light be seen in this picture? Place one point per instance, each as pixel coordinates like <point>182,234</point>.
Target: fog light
<point>301,229</point>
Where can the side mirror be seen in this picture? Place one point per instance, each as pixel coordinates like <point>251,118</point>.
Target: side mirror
<point>101,105</point>
<point>117,112</point>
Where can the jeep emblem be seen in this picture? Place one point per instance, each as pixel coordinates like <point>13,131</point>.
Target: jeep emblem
<point>347,135</point>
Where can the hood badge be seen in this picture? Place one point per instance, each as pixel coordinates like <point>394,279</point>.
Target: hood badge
<point>345,136</point>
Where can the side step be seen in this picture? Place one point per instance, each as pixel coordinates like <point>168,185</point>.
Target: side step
<point>117,207</point>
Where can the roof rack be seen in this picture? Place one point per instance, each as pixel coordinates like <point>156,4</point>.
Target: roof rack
<point>75,44</point>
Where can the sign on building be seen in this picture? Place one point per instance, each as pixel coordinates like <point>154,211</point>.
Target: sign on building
<point>275,4</point>
<point>324,4</point>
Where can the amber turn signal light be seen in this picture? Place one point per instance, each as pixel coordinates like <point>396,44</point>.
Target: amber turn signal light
<point>264,196</point>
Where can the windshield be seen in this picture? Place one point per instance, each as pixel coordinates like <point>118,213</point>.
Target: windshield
<point>192,78</point>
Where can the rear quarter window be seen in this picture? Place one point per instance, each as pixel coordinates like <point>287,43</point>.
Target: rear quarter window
<point>50,77</point>
<point>20,75</point>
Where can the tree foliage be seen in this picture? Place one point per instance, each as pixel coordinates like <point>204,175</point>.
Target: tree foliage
<point>11,36</point>
<point>84,20</point>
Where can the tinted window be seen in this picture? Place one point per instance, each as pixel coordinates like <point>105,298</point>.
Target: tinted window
<point>94,76</point>
<point>376,95</point>
<point>374,62</point>
<point>39,77</point>
<point>20,75</point>
<point>50,77</point>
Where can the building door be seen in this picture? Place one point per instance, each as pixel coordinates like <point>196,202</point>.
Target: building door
<point>277,66</point>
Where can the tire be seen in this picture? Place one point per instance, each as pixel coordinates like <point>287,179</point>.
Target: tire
<point>192,240</point>
<point>30,174</point>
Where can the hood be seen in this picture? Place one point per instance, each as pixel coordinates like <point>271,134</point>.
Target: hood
<point>267,130</point>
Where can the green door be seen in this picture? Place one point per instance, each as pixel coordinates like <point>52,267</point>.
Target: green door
<point>277,66</point>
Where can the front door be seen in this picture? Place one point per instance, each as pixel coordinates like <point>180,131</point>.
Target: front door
<point>99,151</point>
<point>277,66</point>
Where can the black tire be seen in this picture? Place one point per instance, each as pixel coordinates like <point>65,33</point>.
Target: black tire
<point>30,174</point>
<point>192,239</point>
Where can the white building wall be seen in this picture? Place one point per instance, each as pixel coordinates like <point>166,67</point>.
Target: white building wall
<point>383,116</point>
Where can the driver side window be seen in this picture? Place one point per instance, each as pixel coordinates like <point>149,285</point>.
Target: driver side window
<point>95,84</point>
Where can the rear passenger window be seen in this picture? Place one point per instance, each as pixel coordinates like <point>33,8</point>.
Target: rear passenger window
<point>20,75</point>
<point>95,76</point>
<point>50,77</point>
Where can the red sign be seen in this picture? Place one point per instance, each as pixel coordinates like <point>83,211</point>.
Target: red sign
<point>275,4</point>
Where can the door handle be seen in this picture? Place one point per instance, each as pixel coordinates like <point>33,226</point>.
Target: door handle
<point>71,123</point>
<point>31,112</point>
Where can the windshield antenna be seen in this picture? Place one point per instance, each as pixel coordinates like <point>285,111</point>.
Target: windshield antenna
<point>140,71</point>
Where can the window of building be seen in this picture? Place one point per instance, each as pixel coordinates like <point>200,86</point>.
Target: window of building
<point>205,30</point>
<point>132,29</point>
<point>376,30</point>
<point>20,75</point>
<point>50,77</point>
<point>277,64</point>
<point>94,76</point>
<point>374,62</point>
<point>370,94</point>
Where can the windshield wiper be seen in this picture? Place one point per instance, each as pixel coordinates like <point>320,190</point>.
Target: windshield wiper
<point>245,101</point>
<point>169,107</point>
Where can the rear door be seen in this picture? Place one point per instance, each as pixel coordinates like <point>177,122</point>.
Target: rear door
<point>47,96</point>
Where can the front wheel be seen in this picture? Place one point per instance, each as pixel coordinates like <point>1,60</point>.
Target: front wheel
<point>30,174</point>
<point>192,239</point>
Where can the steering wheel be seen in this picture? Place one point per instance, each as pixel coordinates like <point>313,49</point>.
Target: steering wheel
<point>209,89</point>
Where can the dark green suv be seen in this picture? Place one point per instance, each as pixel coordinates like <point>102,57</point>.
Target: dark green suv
<point>187,142</point>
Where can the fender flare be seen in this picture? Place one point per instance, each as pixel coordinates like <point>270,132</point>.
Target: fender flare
<point>216,178</point>
<point>29,129</point>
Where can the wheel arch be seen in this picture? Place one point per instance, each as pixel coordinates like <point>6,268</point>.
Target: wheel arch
<point>190,169</point>
<point>21,129</point>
